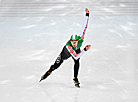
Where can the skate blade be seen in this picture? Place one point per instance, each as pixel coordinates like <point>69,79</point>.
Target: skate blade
<point>77,85</point>
<point>40,80</point>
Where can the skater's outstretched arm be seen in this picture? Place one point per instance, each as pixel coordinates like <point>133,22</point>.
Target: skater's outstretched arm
<point>85,24</point>
<point>73,53</point>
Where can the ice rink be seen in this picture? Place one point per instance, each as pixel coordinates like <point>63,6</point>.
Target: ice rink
<point>33,33</point>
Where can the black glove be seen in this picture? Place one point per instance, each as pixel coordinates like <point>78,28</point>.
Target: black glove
<point>87,14</point>
<point>85,48</point>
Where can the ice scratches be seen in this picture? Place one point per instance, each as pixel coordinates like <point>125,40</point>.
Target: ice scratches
<point>29,88</point>
<point>52,23</point>
<point>108,10</point>
<point>5,82</point>
<point>28,27</point>
<point>115,32</point>
<point>30,77</point>
<point>109,17</point>
<point>125,28</point>
<point>129,28</point>
<point>120,83</point>
<point>122,5</point>
<point>122,92</point>
<point>36,55</point>
<point>59,6</point>
<point>132,24</point>
<point>40,19</point>
<point>25,18</point>
<point>55,7</point>
<point>101,87</point>
<point>37,1</point>
<point>123,46</point>
<point>51,98</point>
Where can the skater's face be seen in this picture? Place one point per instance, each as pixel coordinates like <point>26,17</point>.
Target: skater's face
<point>74,43</point>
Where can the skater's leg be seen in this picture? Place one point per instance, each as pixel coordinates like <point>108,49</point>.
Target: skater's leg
<point>76,64</point>
<point>76,68</point>
<point>57,63</point>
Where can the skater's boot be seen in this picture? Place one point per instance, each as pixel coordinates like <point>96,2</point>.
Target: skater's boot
<point>76,82</point>
<point>45,75</point>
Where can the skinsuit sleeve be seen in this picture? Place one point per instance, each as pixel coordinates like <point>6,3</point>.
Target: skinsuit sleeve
<point>84,27</point>
<point>73,53</point>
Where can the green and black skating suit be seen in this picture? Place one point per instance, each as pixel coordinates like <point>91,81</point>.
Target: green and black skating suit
<point>70,51</point>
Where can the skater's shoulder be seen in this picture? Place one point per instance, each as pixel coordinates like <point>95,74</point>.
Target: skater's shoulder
<point>80,39</point>
<point>68,43</point>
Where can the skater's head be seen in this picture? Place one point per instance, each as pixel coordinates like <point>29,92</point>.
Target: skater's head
<point>74,40</point>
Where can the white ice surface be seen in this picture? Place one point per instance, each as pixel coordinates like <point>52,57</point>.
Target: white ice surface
<point>33,32</point>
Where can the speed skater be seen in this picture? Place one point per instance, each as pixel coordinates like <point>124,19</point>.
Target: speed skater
<point>72,49</point>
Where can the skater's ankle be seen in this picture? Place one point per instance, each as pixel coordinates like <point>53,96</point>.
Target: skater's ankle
<point>76,81</point>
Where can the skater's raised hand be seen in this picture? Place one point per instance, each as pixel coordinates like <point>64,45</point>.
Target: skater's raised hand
<point>86,10</point>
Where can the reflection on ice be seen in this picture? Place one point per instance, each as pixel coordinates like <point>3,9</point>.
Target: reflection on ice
<point>108,10</point>
<point>126,28</point>
<point>122,5</point>
<point>123,46</point>
<point>5,82</point>
<point>29,26</point>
